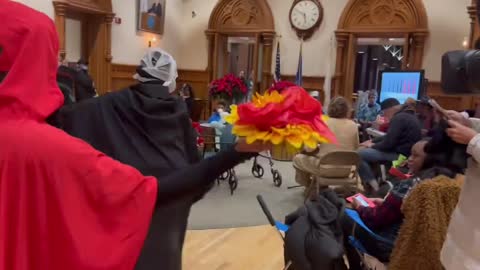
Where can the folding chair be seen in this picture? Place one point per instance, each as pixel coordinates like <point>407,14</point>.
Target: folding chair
<point>368,261</point>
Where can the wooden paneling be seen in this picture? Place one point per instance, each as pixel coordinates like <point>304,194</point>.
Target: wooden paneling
<point>198,79</point>
<point>451,102</point>
<point>310,83</point>
<point>122,76</point>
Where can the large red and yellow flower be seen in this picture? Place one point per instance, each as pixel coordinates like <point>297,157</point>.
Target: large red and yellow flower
<point>292,117</point>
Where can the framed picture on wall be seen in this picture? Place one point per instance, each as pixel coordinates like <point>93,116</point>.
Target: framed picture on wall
<point>151,16</point>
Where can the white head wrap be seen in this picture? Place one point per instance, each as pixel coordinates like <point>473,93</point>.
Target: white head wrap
<point>161,66</point>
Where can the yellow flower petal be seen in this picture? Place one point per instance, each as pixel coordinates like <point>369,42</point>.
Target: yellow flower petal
<point>312,144</point>
<point>233,117</point>
<point>276,138</point>
<point>251,139</point>
<point>295,141</point>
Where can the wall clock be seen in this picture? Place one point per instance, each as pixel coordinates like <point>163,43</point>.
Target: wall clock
<point>306,17</point>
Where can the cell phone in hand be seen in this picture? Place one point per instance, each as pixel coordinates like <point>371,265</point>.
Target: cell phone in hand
<point>362,200</point>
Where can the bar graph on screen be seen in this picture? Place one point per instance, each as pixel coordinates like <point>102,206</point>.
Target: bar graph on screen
<point>401,85</point>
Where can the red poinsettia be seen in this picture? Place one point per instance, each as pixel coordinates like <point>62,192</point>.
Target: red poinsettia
<point>228,87</point>
<point>280,86</point>
<point>198,128</point>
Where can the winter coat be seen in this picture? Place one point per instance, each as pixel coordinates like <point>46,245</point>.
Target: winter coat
<point>314,240</point>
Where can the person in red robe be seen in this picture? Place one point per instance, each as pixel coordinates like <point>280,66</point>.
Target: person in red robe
<point>63,204</point>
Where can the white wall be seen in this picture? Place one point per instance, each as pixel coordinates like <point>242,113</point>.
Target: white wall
<point>128,46</point>
<point>73,36</point>
<point>449,24</point>
<point>185,36</point>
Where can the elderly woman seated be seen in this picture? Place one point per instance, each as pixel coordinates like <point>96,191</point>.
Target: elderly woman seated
<point>344,129</point>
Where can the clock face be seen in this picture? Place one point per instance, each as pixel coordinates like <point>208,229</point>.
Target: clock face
<point>305,14</point>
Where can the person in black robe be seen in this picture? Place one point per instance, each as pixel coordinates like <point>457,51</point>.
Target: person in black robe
<point>84,85</point>
<point>148,128</point>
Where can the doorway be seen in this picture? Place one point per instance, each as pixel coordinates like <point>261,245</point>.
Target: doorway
<point>240,56</point>
<point>95,19</point>
<point>240,35</point>
<point>364,28</point>
<point>374,55</point>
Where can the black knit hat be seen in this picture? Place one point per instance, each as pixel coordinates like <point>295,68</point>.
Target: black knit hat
<point>389,103</point>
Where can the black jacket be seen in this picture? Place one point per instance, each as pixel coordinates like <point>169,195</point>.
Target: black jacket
<point>314,240</point>
<point>403,132</point>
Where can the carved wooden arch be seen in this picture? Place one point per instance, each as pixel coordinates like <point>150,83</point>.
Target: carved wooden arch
<point>96,17</point>
<point>378,18</point>
<point>252,18</point>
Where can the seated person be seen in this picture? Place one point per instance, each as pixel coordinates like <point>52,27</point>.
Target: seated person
<point>403,132</point>
<point>344,129</point>
<point>427,116</point>
<point>427,161</point>
<point>186,92</point>
<point>217,114</point>
<point>367,114</point>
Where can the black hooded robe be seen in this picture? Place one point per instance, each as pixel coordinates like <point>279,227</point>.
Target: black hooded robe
<point>147,128</point>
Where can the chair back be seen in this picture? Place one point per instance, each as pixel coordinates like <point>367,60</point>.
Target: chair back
<point>338,163</point>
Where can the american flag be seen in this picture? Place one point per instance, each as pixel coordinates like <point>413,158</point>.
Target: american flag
<point>277,64</point>
<point>299,77</point>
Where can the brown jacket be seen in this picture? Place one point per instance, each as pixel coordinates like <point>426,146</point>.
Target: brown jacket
<point>427,212</point>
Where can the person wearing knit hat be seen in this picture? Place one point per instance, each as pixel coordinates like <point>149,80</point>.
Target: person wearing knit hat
<point>403,132</point>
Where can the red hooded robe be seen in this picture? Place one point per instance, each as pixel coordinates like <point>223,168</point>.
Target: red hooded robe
<point>63,205</point>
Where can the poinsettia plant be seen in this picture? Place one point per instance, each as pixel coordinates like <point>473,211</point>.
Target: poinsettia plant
<point>280,86</point>
<point>229,87</point>
<point>198,129</point>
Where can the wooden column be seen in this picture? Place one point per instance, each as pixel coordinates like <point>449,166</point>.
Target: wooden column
<point>349,69</point>
<point>60,15</point>
<point>211,45</point>
<point>340,72</point>
<point>256,61</point>
<point>267,60</point>
<point>474,25</point>
<point>108,50</point>
<point>418,45</point>
<point>99,29</point>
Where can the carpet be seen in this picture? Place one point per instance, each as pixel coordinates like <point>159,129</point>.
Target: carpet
<point>218,209</point>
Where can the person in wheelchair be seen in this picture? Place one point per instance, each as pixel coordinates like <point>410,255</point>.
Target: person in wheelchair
<point>426,162</point>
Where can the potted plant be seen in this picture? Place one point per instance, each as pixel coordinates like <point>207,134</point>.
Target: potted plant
<point>229,88</point>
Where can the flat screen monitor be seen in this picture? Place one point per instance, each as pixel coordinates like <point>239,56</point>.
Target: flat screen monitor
<point>401,85</point>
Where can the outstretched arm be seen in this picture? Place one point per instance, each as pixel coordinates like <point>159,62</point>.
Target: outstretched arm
<point>198,175</point>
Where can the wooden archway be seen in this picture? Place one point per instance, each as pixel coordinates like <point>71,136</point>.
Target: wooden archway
<point>96,17</point>
<point>252,18</point>
<point>378,18</point>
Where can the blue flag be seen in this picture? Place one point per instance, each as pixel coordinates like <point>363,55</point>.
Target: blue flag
<point>277,64</point>
<point>299,77</point>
